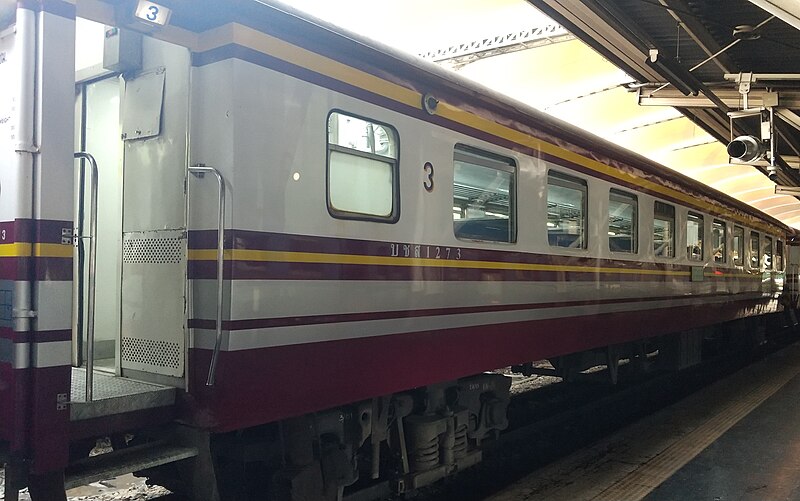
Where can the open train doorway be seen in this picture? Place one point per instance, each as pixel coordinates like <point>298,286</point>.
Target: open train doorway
<point>130,295</point>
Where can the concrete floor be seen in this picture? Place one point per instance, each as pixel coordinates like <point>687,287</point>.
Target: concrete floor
<point>737,439</point>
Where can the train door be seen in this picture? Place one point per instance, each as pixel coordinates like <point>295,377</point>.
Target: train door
<point>132,103</point>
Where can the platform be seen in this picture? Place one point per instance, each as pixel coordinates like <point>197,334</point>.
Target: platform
<point>114,395</point>
<point>736,439</point>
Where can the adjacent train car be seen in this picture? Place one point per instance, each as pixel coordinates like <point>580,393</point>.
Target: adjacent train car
<point>297,251</point>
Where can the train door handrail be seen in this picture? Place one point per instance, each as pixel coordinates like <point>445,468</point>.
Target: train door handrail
<point>202,169</point>
<point>92,237</point>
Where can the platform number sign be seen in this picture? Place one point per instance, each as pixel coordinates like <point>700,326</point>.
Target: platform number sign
<point>152,13</point>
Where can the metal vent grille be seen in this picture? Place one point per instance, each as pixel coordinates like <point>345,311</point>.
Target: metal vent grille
<point>153,251</point>
<point>150,352</point>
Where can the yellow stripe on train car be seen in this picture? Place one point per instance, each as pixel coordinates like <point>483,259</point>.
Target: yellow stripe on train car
<point>23,249</point>
<point>325,258</point>
<point>267,44</point>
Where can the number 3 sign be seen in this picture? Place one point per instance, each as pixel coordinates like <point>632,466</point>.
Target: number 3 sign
<point>152,13</point>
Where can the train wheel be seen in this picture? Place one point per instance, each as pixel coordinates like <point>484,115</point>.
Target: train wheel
<point>47,487</point>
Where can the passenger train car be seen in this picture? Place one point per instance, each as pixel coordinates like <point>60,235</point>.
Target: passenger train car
<point>390,232</point>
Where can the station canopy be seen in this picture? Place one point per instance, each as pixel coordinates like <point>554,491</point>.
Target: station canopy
<point>639,73</point>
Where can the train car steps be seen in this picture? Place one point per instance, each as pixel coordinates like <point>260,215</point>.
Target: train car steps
<point>116,463</point>
<point>115,395</point>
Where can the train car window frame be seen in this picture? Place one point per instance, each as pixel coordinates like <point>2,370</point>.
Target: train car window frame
<point>755,251</point>
<point>767,253</point>
<point>622,198</point>
<point>719,240</point>
<point>664,247</point>
<point>557,179</point>
<point>477,163</point>
<point>699,245</point>
<point>737,250</point>
<point>779,262</point>
<point>370,160</point>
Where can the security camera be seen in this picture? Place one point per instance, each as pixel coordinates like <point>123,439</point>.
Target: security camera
<point>747,148</point>
<point>772,173</point>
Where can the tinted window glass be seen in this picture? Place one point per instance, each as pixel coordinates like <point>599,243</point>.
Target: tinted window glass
<point>622,221</point>
<point>738,245</point>
<point>755,251</point>
<point>767,253</point>
<point>483,196</point>
<point>718,247</point>
<point>694,237</point>
<point>664,230</point>
<point>566,211</point>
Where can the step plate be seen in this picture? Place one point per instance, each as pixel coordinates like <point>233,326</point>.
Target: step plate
<point>115,395</point>
<point>117,463</point>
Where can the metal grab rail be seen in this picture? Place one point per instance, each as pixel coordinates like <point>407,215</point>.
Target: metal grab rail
<point>92,261</point>
<point>199,170</point>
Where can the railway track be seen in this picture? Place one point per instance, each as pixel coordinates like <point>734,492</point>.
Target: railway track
<point>566,427</point>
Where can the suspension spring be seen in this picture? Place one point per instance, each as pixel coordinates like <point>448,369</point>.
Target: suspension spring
<point>460,447</point>
<point>426,456</point>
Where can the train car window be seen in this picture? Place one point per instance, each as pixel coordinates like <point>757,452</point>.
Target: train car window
<point>483,196</point>
<point>755,249</point>
<point>623,211</point>
<point>718,236</point>
<point>566,210</point>
<point>767,252</point>
<point>779,255</point>
<point>362,169</point>
<point>664,230</point>
<point>694,237</point>
<point>738,245</point>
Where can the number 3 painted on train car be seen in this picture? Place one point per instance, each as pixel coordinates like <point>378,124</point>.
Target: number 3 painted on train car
<point>428,183</point>
<point>153,14</point>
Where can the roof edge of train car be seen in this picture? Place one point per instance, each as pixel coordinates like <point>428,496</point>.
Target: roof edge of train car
<point>349,48</point>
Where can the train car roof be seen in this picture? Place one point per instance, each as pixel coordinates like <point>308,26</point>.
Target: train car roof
<point>304,30</point>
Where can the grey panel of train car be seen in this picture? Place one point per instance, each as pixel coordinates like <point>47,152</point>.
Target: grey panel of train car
<point>141,109</point>
<point>122,50</point>
<point>154,227</point>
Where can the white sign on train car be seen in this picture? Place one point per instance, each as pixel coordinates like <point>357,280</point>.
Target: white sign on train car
<point>153,13</point>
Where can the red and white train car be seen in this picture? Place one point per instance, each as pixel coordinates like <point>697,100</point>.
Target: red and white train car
<point>390,231</point>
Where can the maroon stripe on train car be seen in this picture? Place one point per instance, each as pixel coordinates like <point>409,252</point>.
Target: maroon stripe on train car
<point>14,389</point>
<point>234,51</point>
<point>254,240</point>
<point>259,240</point>
<point>298,379</point>
<point>30,267</point>
<point>263,323</point>
<point>46,231</point>
<point>261,59</point>
<point>53,269</point>
<point>328,40</point>
<point>37,336</point>
<point>39,268</point>
<point>267,270</point>
<point>49,424</point>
